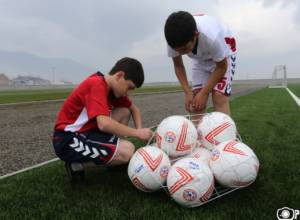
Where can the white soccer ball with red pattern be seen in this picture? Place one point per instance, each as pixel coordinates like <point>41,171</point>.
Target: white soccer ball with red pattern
<point>201,153</point>
<point>214,128</point>
<point>176,135</point>
<point>234,164</point>
<point>190,182</point>
<point>148,168</point>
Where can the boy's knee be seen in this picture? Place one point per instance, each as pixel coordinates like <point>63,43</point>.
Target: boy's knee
<point>220,99</point>
<point>130,151</point>
<point>121,115</point>
<point>126,151</point>
<point>127,113</point>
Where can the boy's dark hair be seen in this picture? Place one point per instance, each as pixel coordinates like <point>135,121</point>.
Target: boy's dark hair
<point>132,68</point>
<point>180,28</point>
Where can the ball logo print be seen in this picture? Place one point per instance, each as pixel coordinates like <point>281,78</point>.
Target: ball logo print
<point>189,195</point>
<point>193,165</point>
<point>138,169</point>
<point>170,137</point>
<point>164,171</point>
<point>215,154</point>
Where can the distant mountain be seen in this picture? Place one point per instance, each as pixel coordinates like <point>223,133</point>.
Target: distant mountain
<point>53,69</point>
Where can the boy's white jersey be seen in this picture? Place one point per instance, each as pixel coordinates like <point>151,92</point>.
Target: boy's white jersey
<point>215,42</point>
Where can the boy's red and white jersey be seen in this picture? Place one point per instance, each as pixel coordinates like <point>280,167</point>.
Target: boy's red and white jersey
<point>215,41</point>
<point>85,103</point>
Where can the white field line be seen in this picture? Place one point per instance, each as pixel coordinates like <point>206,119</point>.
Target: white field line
<point>296,99</point>
<point>28,168</point>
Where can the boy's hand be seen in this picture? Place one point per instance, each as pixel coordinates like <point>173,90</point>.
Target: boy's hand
<point>200,101</point>
<point>144,134</point>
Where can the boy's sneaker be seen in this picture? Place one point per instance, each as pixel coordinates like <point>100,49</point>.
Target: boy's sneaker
<point>75,172</point>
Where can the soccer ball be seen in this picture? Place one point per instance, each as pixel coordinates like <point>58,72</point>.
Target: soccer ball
<point>148,168</point>
<point>176,135</point>
<point>190,182</point>
<point>214,128</point>
<point>234,164</point>
<point>202,154</point>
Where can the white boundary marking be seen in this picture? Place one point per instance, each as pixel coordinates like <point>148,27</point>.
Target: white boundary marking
<point>296,99</point>
<point>28,168</point>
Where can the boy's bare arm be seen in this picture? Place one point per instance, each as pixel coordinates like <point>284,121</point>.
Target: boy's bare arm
<point>181,74</point>
<point>111,126</point>
<point>136,116</point>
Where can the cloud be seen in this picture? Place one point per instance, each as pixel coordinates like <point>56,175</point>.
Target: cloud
<point>262,30</point>
<point>97,34</point>
<point>152,52</point>
<point>41,37</point>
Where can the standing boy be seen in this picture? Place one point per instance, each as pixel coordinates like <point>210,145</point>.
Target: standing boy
<point>212,49</point>
<point>93,120</point>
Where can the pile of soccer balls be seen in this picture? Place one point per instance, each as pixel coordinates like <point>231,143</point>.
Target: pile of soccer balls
<point>186,161</point>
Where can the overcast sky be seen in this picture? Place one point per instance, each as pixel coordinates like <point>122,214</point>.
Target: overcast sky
<point>96,33</point>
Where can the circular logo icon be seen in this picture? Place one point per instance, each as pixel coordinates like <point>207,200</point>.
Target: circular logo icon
<point>189,195</point>
<point>170,137</point>
<point>215,154</point>
<point>164,172</point>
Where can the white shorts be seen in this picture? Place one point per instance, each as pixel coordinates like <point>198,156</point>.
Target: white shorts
<point>202,71</point>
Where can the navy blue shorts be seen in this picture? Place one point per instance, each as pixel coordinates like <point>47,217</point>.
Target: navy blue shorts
<point>93,145</point>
